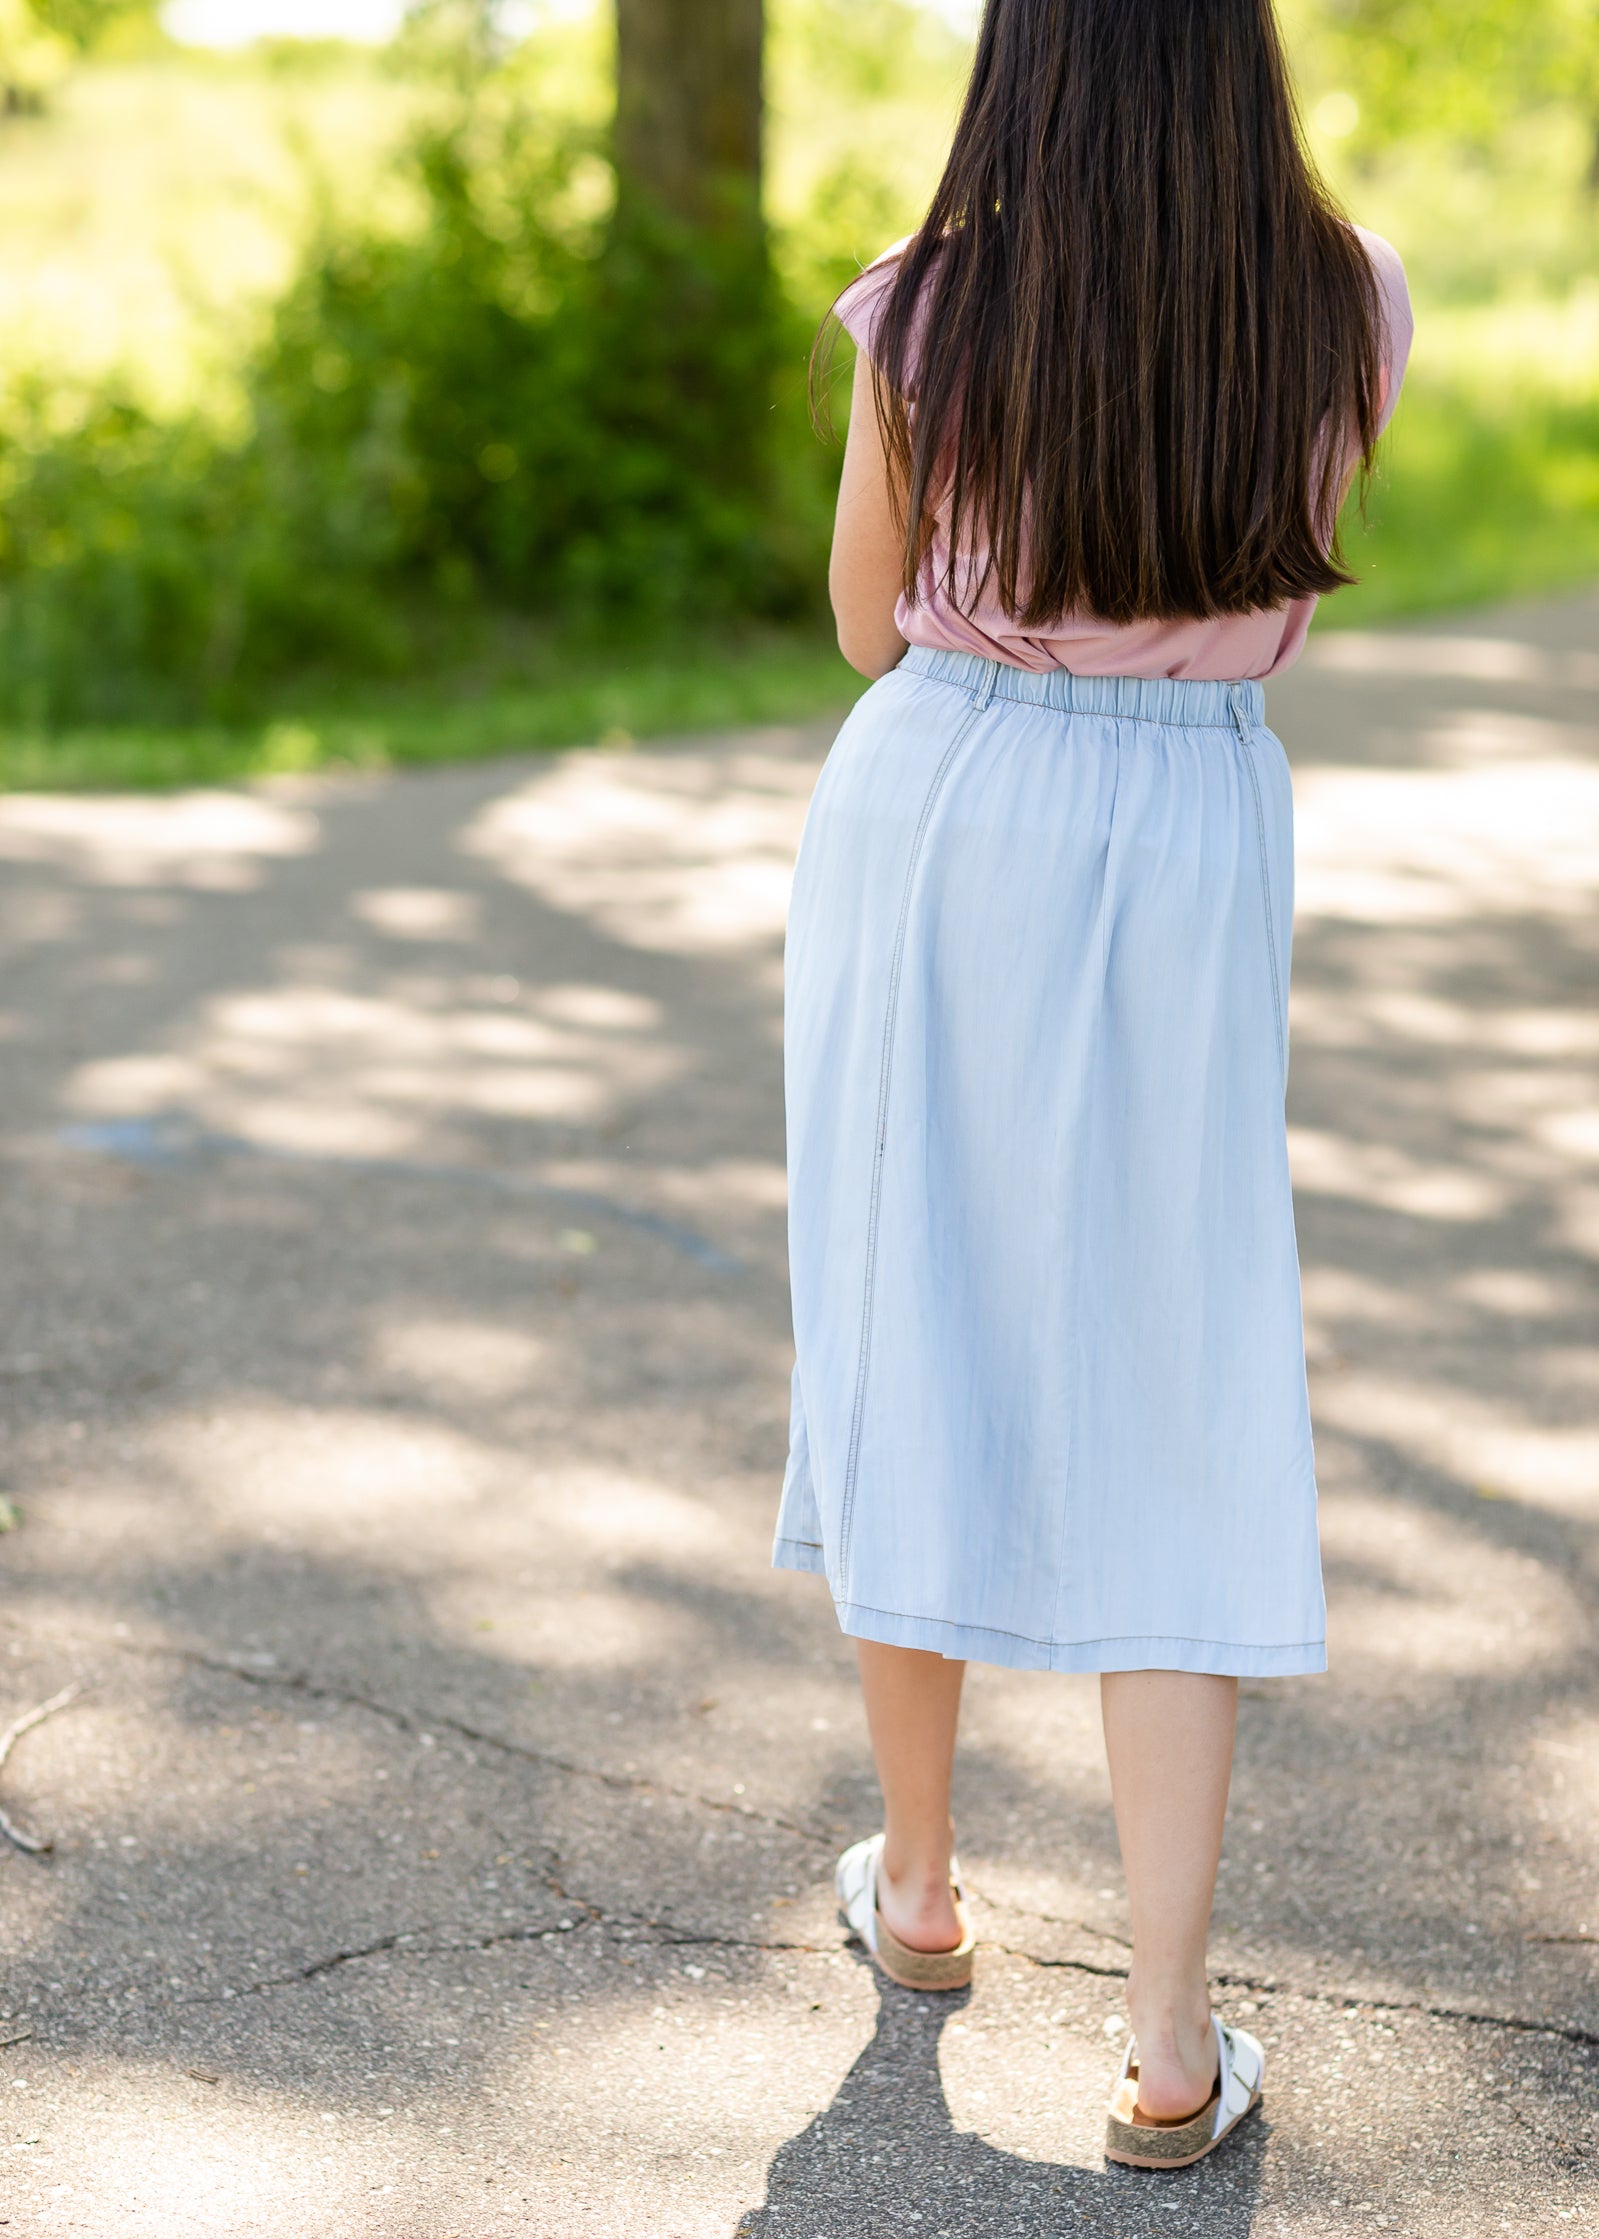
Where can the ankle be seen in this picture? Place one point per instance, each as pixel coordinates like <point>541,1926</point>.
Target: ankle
<point>919,1861</point>
<point>915,1897</point>
<point>1165,2002</point>
<point>1170,2020</point>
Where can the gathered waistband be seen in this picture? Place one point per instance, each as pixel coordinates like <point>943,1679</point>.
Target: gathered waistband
<point>1185,700</point>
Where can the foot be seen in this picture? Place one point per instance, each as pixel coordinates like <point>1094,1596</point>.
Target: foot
<point>919,1905</point>
<point>1177,2069</point>
<point>1139,2140</point>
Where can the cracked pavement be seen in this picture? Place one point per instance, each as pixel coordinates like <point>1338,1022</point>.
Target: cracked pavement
<point>393,1357</point>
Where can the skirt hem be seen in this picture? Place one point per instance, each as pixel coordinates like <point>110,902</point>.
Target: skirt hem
<point>1132,1652</point>
<point>798,1554</point>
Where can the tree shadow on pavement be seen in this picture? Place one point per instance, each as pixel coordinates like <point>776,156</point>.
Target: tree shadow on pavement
<point>886,2157</point>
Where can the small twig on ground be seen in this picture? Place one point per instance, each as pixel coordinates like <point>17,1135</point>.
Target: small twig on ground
<point>35,1845</point>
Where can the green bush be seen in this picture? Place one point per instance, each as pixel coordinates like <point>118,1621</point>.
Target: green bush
<point>1478,499</point>
<point>514,404</point>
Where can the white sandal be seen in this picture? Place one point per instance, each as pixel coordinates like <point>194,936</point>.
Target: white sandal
<point>1240,2072</point>
<point>856,1883</point>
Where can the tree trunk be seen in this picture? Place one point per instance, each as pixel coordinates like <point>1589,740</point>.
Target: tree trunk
<point>688,110</point>
<point>687,286</point>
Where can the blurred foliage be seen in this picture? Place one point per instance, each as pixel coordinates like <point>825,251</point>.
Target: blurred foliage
<point>1466,129</point>
<point>151,218</point>
<point>1474,504</point>
<point>504,404</point>
<point>478,434</point>
<point>1459,68</point>
<point>85,24</point>
<point>33,58</point>
<point>1489,487</point>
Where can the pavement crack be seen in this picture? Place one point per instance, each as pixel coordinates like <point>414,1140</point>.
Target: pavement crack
<point>1558,2139</point>
<point>414,1722</point>
<point>332,1959</point>
<point>1518,2024</point>
<point>1052,1919</point>
<point>292,1977</point>
<point>1067,1966</point>
<point>650,1933</point>
<point>664,1933</point>
<point>408,1943</point>
<point>1525,2025</point>
<point>666,1937</point>
<point>405,1943</point>
<point>1343,2001</point>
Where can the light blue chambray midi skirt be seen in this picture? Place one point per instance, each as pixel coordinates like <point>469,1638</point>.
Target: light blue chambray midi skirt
<point>1049,1404</point>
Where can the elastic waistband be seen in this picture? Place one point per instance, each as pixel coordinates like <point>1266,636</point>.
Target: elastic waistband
<point>1184,700</point>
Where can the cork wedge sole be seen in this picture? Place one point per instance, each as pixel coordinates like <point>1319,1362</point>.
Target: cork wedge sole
<point>1177,2145</point>
<point>1169,2145</point>
<point>927,1970</point>
<point>856,1882</point>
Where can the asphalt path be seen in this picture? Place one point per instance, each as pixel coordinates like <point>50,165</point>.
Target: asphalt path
<point>393,1359</point>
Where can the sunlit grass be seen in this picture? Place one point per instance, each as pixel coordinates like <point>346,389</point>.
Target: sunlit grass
<point>561,697</point>
<point>1489,485</point>
<point>150,216</point>
<point>1528,342</point>
<point>147,219</point>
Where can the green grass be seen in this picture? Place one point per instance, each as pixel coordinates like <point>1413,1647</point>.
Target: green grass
<point>1478,498</point>
<point>149,215</point>
<point>561,698</point>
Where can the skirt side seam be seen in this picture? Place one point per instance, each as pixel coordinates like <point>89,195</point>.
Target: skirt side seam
<point>1069,1484</point>
<point>1278,1015</point>
<point>858,1417</point>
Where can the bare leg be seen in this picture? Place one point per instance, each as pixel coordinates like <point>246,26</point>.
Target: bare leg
<point>1169,1738</point>
<point>913,1702</point>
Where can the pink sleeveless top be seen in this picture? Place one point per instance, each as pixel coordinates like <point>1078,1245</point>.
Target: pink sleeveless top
<point>1236,647</point>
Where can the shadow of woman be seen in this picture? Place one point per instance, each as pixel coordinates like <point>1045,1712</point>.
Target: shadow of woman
<point>885,2158</point>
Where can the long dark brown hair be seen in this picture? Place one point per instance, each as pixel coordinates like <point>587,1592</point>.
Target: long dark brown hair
<point>1134,345</point>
